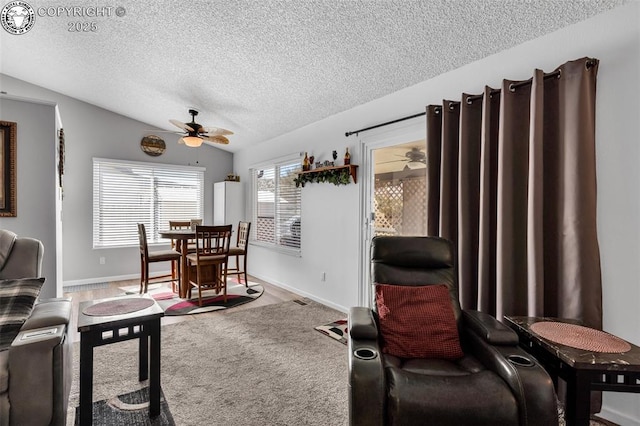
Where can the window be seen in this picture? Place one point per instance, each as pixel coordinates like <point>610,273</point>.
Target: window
<point>126,193</point>
<point>276,205</point>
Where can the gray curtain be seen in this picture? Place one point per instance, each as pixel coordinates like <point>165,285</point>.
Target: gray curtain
<point>511,178</point>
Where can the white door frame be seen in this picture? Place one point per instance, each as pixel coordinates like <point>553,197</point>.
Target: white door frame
<point>395,134</point>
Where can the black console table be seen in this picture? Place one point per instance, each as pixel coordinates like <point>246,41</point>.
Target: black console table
<point>583,371</point>
<point>102,330</point>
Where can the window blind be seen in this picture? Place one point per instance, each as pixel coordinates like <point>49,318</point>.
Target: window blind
<point>126,193</point>
<point>277,205</point>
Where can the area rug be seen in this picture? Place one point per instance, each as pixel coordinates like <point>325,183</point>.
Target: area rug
<point>336,330</point>
<point>256,366</point>
<point>131,409</point>
<point>237,294</point>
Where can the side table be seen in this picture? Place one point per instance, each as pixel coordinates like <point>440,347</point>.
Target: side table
<point>583,371</point>
<point>143,324</point>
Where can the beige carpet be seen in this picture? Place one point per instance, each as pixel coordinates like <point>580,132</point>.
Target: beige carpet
<point>260,366</point>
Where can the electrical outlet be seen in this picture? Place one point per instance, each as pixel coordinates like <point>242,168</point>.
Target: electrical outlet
<point>323,277</point>
<point>102,260</point>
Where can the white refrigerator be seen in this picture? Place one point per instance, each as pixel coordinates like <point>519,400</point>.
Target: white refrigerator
<point>228,203</point>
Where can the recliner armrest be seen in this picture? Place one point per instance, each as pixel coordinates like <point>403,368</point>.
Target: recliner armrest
<point>489,328</point>
<point>367,391</point>
<point>39,371</point>
<point>485,338</point>
<point>49,312</point>
<point>362,326</point>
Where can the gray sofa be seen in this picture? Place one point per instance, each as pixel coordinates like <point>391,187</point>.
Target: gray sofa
<point>35,370</point>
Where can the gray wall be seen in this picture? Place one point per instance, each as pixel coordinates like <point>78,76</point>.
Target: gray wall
<point>91,132</point>
<point>331,219</point>
<point>36,189</point>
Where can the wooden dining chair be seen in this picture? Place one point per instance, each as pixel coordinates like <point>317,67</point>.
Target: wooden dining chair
<point>147,257</point>
<point>207,267</point>
<point>242,245</point>
<point>191,244</point>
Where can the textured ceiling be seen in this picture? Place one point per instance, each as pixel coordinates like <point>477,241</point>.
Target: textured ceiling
<point>263,68</point>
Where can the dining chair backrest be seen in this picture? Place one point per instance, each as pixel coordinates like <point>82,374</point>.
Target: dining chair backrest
<point>243,235</point>
<point>142,238</point>
<point>194,222</point>
<point>179,224</point>
<point>213,240</point>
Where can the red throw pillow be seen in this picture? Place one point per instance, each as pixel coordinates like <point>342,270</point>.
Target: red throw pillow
<point>417,322</point>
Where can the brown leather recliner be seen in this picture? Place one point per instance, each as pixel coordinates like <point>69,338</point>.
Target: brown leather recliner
<point>494,383</point>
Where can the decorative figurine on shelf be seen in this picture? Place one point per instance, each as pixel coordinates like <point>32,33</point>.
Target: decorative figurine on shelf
<point>347,157</point>
<point>305,163</point>
<point>311,161</point>
<point>335,155</point>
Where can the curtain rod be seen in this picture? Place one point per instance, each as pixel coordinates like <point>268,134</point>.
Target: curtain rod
<point>347,134</point>
<point>512,87</point>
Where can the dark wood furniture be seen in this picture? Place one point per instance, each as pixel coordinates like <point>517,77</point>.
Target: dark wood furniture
<point>583,371</point>
<point>207,267</point>
<point>181,237</point>
<point>191,246</point>
<point>241,248</point>
<point>103,330</point>
<point>147,257</point>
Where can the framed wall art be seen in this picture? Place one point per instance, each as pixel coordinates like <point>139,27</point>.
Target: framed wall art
<point>8,186</point>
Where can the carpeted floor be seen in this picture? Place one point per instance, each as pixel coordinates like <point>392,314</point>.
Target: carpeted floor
<point>259,366</point>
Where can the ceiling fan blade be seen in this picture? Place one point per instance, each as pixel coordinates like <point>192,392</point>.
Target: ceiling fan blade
<point>216,139</point>
<point>212,131</point>
<point>393,161</point>
<point>181,125</point>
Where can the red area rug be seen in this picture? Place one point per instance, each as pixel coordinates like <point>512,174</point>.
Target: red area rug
<point>237,294</point>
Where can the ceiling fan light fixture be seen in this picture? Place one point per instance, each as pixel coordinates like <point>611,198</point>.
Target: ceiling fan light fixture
<point>413,165</point>
<point>192,141</point>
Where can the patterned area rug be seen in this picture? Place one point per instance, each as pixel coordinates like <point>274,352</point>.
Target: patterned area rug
<point>336,330</point>
<point>130,409</point>
<point>237,294</point>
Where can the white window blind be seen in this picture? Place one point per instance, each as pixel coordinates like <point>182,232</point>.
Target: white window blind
<point>277,205</point>
<point>126,193</point>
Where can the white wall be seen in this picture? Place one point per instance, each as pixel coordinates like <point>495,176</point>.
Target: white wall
<point>90,132</point>
<point>36,185</point>
<point>331,215</point>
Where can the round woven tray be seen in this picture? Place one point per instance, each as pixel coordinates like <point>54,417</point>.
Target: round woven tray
<point>577,336</point>
<point>118,307</point>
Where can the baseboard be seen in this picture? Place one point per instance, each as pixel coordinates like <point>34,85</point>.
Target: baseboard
<point>109,279</point>
<point>302,293</point>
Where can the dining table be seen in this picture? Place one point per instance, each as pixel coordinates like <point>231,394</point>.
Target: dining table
<point>182,237</point>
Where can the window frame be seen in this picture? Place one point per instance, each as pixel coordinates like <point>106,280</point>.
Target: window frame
<point>164,170</point>
<point>276,163</point>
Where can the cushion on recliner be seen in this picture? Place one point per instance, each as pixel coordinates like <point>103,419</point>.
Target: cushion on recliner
<point>17,298</point>
<point>417,322</point>
<point>449,400</point>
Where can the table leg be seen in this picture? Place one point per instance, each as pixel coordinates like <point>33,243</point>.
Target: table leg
<point>143,354</point>
<point>578,399</point>
<point>184,276</point>
<point>154,380</point>
<point>86,378</point>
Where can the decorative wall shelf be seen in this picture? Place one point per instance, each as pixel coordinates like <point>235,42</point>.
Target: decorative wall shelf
<point>337,175</point>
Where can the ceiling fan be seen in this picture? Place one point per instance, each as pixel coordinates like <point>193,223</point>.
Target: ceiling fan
<point>195,134</point>
<point>415,158</point>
